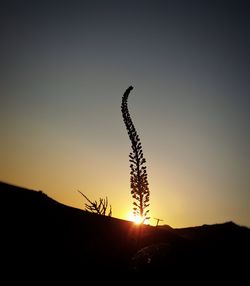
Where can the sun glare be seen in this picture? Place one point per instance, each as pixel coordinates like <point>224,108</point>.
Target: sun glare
<point>134,219</point>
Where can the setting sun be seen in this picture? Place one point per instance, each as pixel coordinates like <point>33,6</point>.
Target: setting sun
<point>135,219</point>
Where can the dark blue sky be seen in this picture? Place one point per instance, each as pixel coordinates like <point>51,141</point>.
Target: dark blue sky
<point>64,68</point>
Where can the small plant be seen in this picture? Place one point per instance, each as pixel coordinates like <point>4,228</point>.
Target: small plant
<point>138,175</point>
<point>97,207</point>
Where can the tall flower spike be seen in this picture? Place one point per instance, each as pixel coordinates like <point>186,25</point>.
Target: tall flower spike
<point>138,174</point>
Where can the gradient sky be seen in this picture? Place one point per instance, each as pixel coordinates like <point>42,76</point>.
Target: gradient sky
<point>64,68</point>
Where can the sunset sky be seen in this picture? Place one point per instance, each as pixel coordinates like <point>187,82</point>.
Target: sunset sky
<point>64,68</point>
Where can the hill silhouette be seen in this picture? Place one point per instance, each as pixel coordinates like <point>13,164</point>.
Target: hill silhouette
<point>41,234</point>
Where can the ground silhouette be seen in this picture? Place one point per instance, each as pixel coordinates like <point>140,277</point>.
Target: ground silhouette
<point>40,234</point>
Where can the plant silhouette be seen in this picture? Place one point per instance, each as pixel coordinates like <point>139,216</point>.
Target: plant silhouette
<point>95,207</point>
<point>138,174</point>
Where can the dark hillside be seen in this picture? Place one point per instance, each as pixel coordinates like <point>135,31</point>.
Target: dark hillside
<point>38,233</point>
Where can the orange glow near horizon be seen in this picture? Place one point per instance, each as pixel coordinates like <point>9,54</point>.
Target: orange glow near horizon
<point>135,219</point>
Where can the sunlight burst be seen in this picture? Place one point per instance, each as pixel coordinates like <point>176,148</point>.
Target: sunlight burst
<point>135,219</point>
